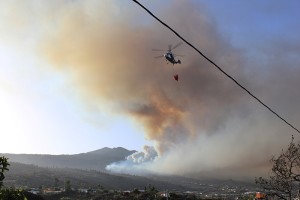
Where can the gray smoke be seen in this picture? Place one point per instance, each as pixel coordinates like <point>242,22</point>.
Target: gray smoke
<point>204,124</point>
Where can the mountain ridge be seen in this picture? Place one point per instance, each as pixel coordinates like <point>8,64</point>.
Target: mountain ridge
<point>92,160</point>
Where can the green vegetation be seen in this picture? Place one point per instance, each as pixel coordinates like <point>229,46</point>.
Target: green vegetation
<point>11,194</point>
<point>56,182</point>
<point>3,167</point>
<point>68,186</point>
<point>8,193</point>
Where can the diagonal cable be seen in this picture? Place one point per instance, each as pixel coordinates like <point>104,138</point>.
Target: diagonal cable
<point>219,68</point>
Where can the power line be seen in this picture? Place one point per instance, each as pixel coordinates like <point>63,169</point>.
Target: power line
<point>219,68</point>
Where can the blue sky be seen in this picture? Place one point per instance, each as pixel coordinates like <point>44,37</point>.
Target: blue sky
<point>45,108</point>
<point>250,23</point>
<point>42,113</point>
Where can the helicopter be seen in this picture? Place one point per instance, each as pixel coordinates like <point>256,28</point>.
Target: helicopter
<point>170,57</point>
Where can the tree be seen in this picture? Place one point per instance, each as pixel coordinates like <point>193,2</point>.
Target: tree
<point>3,167</point>
<point>151,192</point>
<point>284,181</point>
<point>68,186</point>
<point>56,183</point>
<point>136,193</point>
<point>7,194</point>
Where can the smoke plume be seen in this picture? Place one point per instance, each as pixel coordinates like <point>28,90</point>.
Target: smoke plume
<point>137,163</point>
<point>204,124</point>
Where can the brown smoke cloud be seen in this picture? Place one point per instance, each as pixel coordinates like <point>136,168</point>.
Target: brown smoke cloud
<point>204,121</point>
<point>113,61</point>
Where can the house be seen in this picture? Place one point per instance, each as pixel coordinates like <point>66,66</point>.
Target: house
<point>164,194</point>
<point>259,195</point>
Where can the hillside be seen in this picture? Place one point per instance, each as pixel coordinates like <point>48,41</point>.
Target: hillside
<point>30,176</point>
<point>21,175</point>
<point>87,170</point>
<point>94,160</point>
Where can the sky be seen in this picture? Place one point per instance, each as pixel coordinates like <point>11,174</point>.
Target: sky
<point>77,76</point>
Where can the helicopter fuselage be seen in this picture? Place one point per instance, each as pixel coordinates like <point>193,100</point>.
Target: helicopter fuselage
<point>170,57</point>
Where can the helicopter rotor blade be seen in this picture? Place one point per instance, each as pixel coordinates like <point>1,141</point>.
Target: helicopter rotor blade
<point>159,56</point>
<point>170,47</point>
<point>177,45</point>
<point>158,50</point>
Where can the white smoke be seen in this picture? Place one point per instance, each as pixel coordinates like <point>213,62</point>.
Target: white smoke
<point>149,154</point>
<point>138,162</point>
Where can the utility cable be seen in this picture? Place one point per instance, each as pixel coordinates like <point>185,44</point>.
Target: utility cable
<point>219,68</point>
